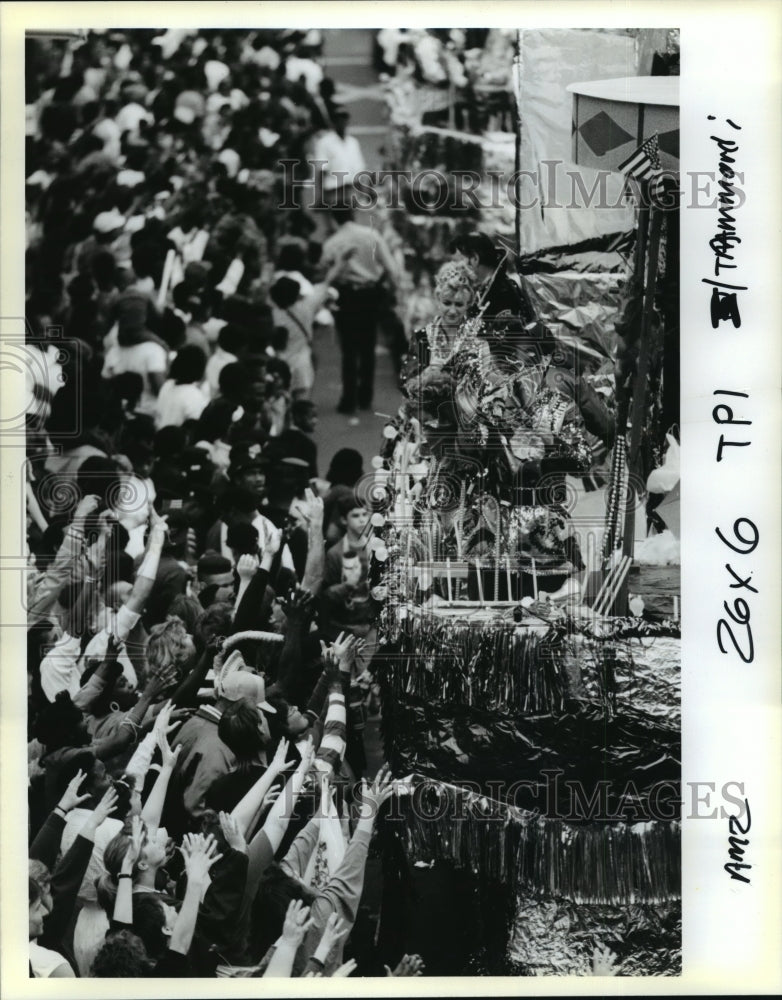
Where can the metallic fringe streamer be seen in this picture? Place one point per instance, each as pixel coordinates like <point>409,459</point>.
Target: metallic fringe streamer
<point>596,863</point>
<point>499,668</point>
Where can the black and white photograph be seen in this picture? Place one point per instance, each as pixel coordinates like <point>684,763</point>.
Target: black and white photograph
<point>349,454</point>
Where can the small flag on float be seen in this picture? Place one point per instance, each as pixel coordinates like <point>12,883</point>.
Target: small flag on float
<point>644,164</point>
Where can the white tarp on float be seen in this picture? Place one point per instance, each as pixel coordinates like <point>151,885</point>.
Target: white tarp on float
<point>551,60</point>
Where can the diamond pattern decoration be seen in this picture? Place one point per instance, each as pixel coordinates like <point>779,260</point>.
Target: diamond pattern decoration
<point>669,143</point>
<point>601,133</point>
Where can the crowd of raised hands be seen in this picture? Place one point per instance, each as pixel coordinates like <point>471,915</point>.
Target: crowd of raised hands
<point>128,881</point>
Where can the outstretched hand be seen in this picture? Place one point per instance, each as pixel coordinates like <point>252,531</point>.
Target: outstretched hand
<point>335,929</point>
<point>163,725</point>
<point>346,970</point>
<point>200,853</point>
<point>345,647</point>
<point>161,681</point>
<point>232,833</point>
<point>307,751</point>
<point>271,796</point>
<point>308,511</point>
<point>603,962</point>
<point>380,791</point>
<point>326,797</point>
<point>410,965</point>
<point>273,543</point>
<point>279,761</point>
<point>247,566</point>
<point>340,656</point>
<point>72,797</point>
<point>331,665</point>
<point>298,606</point>
<point>168,756</point>
<point>135,844</point>
<point>297,923</point>
<point>105,807</point>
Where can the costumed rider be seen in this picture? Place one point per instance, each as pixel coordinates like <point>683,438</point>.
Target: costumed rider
<point>510,324</point>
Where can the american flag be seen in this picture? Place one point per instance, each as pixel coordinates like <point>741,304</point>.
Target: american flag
<point>644,164</point>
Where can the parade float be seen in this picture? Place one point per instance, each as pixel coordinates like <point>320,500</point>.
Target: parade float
<point>531,679</point>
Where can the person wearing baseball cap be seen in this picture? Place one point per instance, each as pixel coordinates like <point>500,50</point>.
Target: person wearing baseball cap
<point>204,756</point>
<point>248,470</point>
<point>248,473</point>
<point>245,686</point>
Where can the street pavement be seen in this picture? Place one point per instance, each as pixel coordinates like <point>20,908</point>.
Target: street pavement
<point>348,61</point>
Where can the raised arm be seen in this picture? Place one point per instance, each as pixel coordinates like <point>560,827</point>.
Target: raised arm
<point>46,845</point>
<point>299,609</point>
<point>200,853</point>
<point>247,612</point>
<point>219,919</point>
<point>69,873</point>
<point>296,925</point>
<point>153,807</point>
<point>331,750</point>
<point>336,928</point>
<point>102,679</point>
<point>246,568</point>
<point>65,566</point>
<point>276,823</point>
<point>96,553</point>
<point>337,663</point>
<point>343,891</point>
<point>123,904</point>
<point>186,695</point>
<point>315,564</point>
<point>246,810</point>
<point>147,571</point>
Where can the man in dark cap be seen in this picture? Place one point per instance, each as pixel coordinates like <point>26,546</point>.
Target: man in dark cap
<point>244,501</point>
<point>248,470</point>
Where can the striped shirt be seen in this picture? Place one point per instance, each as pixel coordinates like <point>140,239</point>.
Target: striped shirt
<point>333,742</point>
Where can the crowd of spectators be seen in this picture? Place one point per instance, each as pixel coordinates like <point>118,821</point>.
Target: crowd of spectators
<point>200,621</point>
<point>203,592</point>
